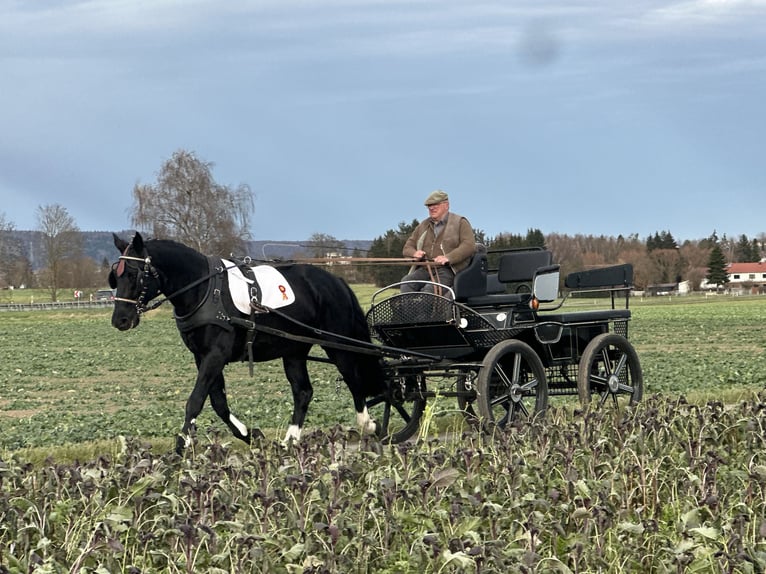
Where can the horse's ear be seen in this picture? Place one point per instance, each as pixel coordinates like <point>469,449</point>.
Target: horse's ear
<point>138,243</point>
<point>119,243</point>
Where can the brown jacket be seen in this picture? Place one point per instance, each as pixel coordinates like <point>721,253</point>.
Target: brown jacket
<point>456,241</point>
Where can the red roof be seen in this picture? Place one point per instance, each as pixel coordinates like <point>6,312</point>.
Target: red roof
<point>759,267</point>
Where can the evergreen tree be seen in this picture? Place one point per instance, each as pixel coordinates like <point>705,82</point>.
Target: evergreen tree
<point>667,241</point>
<point>661,240</point>
<point>743,250</point>
<point>755,250</point>
<point>535,238</point>
<point>708,242</point>
<point>502,242</point>
<point>505,241</point>
<point>390,245</point>
<point>716,267</point>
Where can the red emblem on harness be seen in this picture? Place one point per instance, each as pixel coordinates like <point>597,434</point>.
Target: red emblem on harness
<point>283,290</point>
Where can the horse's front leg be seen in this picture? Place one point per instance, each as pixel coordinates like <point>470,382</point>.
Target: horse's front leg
<point>208,371</point>
<point>221,407</point>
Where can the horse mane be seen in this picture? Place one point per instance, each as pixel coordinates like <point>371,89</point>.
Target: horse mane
<point>177,255</point>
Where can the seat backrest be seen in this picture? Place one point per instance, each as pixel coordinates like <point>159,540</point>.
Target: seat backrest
<point>520,266</point>
<point>472,281</point>
<point>612,276</point>
<point>493,284</point>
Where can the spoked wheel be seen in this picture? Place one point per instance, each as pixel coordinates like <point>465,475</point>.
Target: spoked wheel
<point>466,398</point>
<point>398,413</point>
<point>511,385</point>
<point>609,370</point>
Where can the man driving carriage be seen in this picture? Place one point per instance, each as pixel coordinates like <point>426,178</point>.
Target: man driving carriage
<point>444,238</point>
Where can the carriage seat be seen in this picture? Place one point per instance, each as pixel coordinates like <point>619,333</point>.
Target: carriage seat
<point>472,281</point>
<point>516,271</point>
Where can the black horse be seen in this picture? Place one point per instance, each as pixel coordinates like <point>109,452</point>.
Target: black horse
<point>217,332</point>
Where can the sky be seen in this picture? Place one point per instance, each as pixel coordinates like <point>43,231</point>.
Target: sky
<point>592,117</point>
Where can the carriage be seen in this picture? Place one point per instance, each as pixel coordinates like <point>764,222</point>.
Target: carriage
<point>500,340</point>
<point>504,339</point>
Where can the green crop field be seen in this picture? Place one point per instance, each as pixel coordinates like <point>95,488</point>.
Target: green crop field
<point>88,482</point>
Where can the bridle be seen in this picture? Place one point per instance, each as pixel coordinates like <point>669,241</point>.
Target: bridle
<point>149,270</point>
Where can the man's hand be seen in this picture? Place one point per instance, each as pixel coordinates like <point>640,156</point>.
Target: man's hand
<point>441,260</point>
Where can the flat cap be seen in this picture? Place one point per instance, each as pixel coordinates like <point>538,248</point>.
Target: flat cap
<point>437,197</point>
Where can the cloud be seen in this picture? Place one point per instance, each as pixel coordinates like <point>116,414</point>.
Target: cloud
<point>388,96</point>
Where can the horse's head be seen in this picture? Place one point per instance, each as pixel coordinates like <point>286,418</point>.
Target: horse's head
<point>135,280</point>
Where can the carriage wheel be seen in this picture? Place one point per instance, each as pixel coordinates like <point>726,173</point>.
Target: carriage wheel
<point>466,399</point>
<point>511,385</point>
<point>398,414</point>
<point>609,369</point>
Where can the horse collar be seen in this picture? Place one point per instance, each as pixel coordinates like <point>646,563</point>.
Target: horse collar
<point>210,309</point>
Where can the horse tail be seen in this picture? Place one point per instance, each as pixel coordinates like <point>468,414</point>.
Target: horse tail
<point>370,366</point>
<point>360,328</point>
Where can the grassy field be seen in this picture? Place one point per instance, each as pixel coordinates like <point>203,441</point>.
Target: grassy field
<point>71,377</point>
<point>701,347</point>
<point>676,485</point>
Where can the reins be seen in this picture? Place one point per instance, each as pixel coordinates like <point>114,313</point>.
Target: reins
<point>341,342</point>
<point>320,337</point>
<point>149,269</point>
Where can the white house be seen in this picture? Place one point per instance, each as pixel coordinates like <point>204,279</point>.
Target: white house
<point>743,277</point>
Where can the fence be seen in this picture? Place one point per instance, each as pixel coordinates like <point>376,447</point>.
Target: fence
<point>54,306</point>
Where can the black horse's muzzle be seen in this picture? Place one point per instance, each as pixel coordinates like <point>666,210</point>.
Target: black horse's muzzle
<point>125,320</point>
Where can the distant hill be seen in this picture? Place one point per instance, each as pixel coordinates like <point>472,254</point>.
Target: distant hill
<point>99,245</point>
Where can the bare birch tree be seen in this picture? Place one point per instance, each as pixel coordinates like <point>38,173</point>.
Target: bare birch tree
<point>187,205</point>
<point>62,244</point>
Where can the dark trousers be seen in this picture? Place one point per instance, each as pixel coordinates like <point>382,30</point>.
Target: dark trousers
<point>444,275</point>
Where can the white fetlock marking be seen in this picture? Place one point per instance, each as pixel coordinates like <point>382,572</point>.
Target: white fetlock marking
<point>293,433</point>
<point>237,423</point>
<point>365,423</point>
<point>187,436</point>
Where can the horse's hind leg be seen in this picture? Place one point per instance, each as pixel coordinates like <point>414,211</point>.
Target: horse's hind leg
<point>221,407</point>
<point>297,373</point>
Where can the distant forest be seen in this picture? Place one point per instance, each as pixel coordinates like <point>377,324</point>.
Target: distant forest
<point>656,259</point>
<point>187,204</point>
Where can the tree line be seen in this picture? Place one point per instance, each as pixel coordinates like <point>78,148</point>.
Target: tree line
<point>187,204</point>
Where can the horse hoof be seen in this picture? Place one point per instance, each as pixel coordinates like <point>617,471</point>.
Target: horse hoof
<point>256,434</point>
<point>183,442</point>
